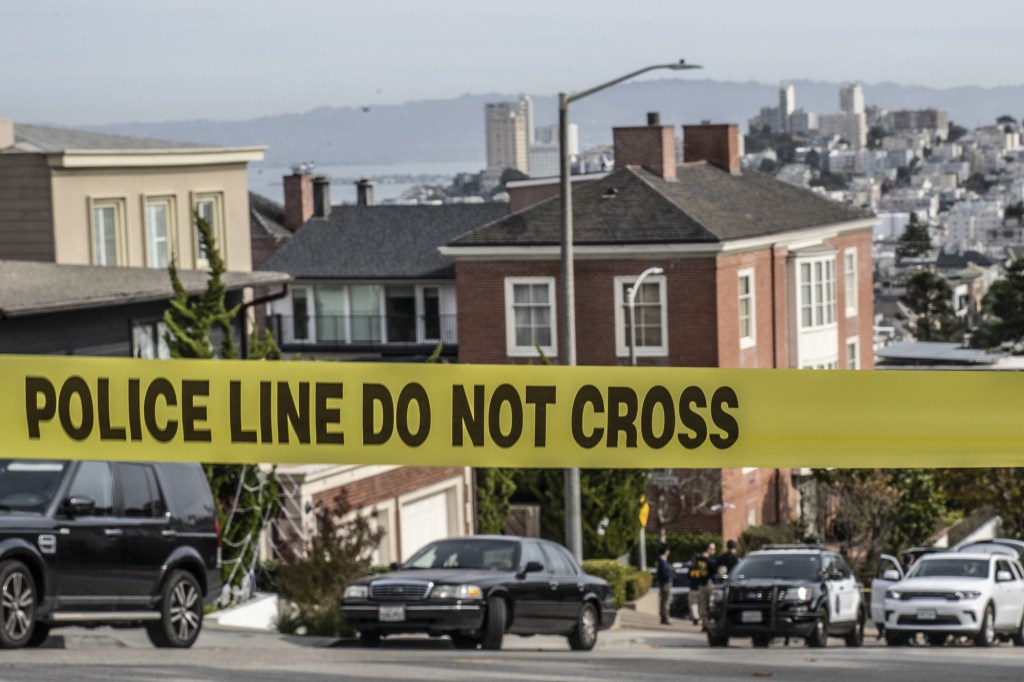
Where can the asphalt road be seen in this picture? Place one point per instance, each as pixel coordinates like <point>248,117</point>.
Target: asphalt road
<point>637,652</point>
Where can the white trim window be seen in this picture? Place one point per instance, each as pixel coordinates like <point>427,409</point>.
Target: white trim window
<point>107,226</point>
<point>748,334</point>
<point>209,206</point>
<point>850,280</point>
<point>159,222</point>
<point>829,364</point>
<point>853,353</point>
<point>817,293</point>
<point>530,316</point>
<point>650,316</point>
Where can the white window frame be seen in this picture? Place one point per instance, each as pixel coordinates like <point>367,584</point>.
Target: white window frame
<point>621,282</point>
<point>513,350</point>
<point>750,340</point>
<point>219,231</point>
<point>850,280</point>
<point>853,343</point>
<point>170,202</point>
<point>821,290</point>
<point>120,230</point>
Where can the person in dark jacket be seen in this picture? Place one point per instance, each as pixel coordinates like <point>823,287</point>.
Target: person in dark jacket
<point>701,570</point>
<point>728,560</point>
<point>664,576</point>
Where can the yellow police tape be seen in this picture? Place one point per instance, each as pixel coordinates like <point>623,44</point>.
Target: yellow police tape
<point>505,415</point>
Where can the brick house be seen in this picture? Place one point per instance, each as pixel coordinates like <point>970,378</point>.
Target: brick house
<point>756,274</point>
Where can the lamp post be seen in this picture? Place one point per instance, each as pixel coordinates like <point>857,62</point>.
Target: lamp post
<point>567,312</point>
<point>631,340</point>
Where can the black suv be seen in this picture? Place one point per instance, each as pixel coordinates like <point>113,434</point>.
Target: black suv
<point>804,591</point>
<point>105,543</point>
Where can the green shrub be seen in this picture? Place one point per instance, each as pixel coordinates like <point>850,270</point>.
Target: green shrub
<point>612,571</point>
<point>638,583</point>
<point>757,537</point>
<point>681,546</point>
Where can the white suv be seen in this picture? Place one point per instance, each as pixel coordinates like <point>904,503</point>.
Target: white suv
<point>977,594</point>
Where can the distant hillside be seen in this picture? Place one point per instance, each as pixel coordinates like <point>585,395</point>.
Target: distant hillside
<point>453,129</point>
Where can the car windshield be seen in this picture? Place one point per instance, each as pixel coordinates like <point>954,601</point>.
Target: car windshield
<point>28,485</point>
<point>498,555</point>
<point>950,568</point>
<point>791,567</point>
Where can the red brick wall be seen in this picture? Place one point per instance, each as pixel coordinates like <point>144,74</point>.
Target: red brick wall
<point>715,143</point>
<point>651,147</point>
<point>862,323</point>
<point>402,481</point>
<point>691,291</point>
<point>767,495</point>
<point>524,197</point>
<point>730,354</point>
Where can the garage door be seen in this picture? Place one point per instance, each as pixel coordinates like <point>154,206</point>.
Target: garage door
<point>424,520</point>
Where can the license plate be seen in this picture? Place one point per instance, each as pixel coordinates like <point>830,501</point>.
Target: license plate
<point>392,614</point>
<point>926,614</point>
<point>750,617</point>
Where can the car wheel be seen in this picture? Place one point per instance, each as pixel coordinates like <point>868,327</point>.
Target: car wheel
<point>855,637</point>
<point>584,635</point>
<point>718,640</point>
<point>987,634</point>
<point>896,638</point>
<point>460,641</point>
<point>1018,636</point>
<point>761,641</point>
<point>181,612</point>
<point>369,638</point>
<point>936,639</point>
<point>39,635</point>
<point>819,635</point>
<point>17,604</point>
<point>494,628</point>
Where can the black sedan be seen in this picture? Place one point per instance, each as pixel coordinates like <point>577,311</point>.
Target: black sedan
<point>475,589</point>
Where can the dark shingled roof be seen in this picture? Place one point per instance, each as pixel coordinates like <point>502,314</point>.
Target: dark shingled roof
<point>633,206</point>
<point>266,218</point>
<point>380,242</point>
<point>32,138</point>
<point>962,260</point>
<point>29,287</point>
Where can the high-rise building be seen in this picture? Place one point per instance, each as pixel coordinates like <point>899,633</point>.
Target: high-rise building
<point>509,127</point>
<point>851,99</point>
<point>787,103</point>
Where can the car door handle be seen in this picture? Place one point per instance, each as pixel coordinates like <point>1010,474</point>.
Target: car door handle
<point>553,585</point>
<point>169,533</point>
<point>114,531</point>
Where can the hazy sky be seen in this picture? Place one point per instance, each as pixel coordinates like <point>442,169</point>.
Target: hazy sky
<point>106,61</point>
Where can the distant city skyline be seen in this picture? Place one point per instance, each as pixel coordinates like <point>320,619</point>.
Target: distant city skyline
<point>107,61</point>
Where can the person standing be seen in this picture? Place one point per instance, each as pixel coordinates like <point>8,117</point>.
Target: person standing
<point>701,570</point>
<point>664,576</point>
<point>728,560</point>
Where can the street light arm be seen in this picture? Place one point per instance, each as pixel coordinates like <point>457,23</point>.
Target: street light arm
<point>680,66</point>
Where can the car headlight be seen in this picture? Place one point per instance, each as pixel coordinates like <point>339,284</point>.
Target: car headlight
<point>802,593</point>
<point>715,597</point>
<point>969,594</point>
<point>357,592</point>
<point>893,594</point>
<point>457,592</point>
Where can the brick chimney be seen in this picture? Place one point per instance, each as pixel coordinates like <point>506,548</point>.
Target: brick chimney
<point>717,143</point>
<point>364,192</point>
<point>652,147</point>
<point>298,197</point>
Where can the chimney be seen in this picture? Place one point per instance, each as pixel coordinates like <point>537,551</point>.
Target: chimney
<point>718,144</point>
<point>298,196</point>
<point>652,146</point>
<point>321,196</point>
<point>364,192</point>
<point>6,133</point>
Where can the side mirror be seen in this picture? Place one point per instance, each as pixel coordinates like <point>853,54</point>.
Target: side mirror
<point>532,567</point>
<point>394,566</point>
<point>1003,576</point>
<point>80,505</point>
<point>891,574</point>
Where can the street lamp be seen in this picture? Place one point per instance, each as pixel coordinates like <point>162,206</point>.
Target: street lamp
<point>567,313</point>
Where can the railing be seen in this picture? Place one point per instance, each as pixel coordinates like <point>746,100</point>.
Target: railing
<point>342,331</point>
